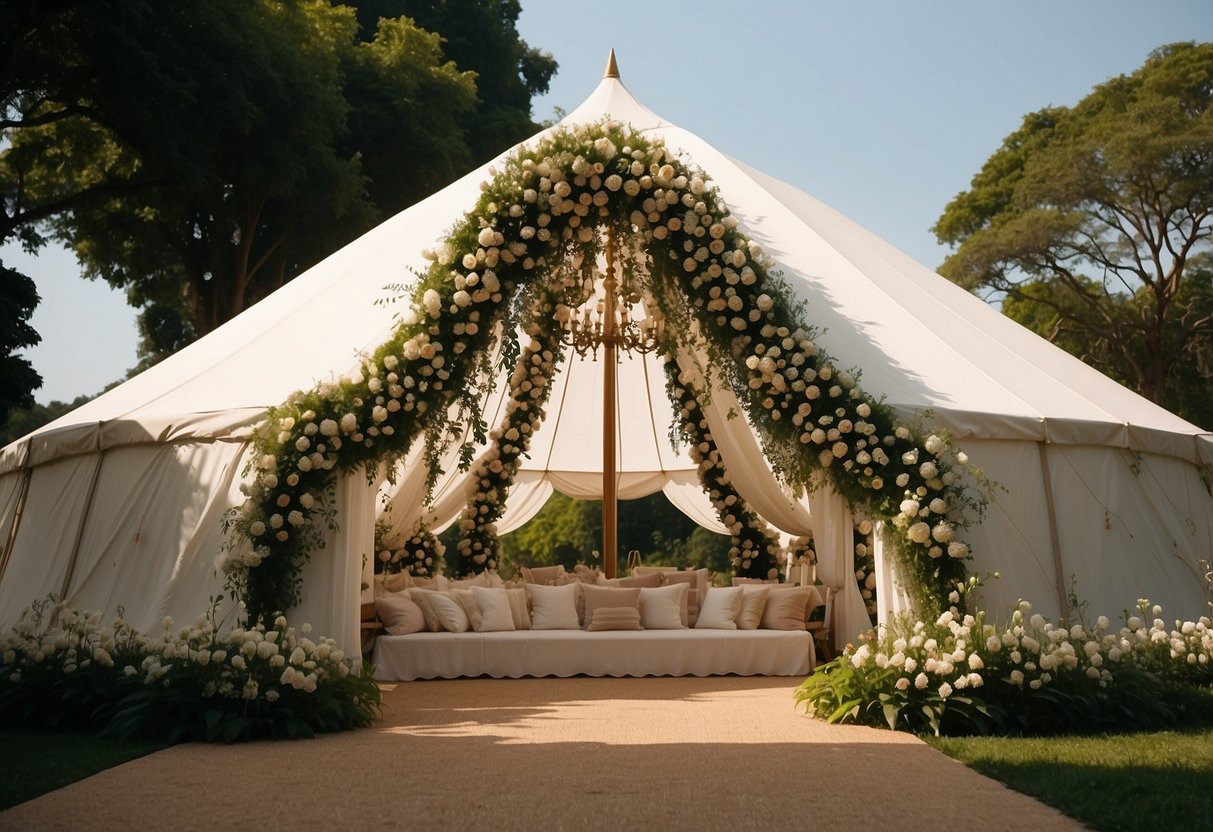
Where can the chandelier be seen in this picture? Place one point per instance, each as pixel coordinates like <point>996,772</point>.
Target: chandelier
<point>606,318</point>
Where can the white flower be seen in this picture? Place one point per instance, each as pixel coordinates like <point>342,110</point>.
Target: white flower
<point>903,683</point>
<point>956,549</point>
<point>919,532</point>
<point>487,237</point>
<point>349,423</point>
<point>921,681</point>
<point>433,302</point>
<point>945,690</point>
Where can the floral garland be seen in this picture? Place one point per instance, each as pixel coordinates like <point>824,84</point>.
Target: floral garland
<point>865,567</point>
<point>494,473</point>
<point>421,553</point>
<point>541,222</point>
<point>755,548</point>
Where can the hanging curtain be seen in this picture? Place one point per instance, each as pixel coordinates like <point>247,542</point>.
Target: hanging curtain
<point>834,541</point>
<point>890,596</point>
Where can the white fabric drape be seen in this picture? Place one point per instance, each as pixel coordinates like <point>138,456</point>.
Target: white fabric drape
<point>686,494</point>
<point>332,579</point>
<point>891,597</point>
<point>527,496</point>
<point>744,461</point>
<point>835,544</point>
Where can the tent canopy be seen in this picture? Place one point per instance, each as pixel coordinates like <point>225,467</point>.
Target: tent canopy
<point>121,500</point>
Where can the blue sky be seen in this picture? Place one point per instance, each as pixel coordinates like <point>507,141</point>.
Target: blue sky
<point>883,110</point>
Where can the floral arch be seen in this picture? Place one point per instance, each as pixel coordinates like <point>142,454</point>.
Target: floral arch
<point>529,246</point>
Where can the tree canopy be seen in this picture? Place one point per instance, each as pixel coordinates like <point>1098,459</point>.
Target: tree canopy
<point>200,155</point>
<point>1092,224</point>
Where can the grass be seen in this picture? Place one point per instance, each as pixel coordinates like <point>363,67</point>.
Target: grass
<point>1113,783</point>
<point>49,760</point>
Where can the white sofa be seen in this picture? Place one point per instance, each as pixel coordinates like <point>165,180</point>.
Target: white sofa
<point>519,653</point>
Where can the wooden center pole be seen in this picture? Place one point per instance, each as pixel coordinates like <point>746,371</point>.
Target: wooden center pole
<point>610,341</point>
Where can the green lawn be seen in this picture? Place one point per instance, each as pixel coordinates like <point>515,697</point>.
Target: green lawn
<point>40,761</point>
<point>1147,781</point>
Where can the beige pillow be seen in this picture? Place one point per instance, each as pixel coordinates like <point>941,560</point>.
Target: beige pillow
<point>608,596</point>
<point>463,597</point>
<point>395,582</point>
<point>494,607</point>
<point>399,613</point>
<point>422,598</point>
<point>555,607</point>
<point>547,575</point>
<point>449,612</point>
<point>520,612</point>
<point>615,618</point>
<point>649,579</point>
<point>753,599</point>
<point>664,607</point>
<point>651,570</point>
<point>786,608</point>
<point>719,609</point>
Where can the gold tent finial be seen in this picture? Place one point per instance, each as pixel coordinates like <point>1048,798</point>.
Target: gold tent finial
<point>612,69</point>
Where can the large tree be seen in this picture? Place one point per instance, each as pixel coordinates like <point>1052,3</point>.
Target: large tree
<point>232,144</point>
<point>1093,224</point>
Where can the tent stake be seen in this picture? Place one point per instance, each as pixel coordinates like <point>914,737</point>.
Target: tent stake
<point>1062,603</point>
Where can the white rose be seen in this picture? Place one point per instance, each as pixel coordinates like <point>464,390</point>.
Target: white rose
<point>919,532</point>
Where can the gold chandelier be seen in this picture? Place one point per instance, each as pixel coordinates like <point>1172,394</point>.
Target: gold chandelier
<point>608,320</point>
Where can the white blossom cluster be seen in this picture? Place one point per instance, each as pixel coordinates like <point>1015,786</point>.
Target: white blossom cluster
<point>239,664</point>
<point>959,652</point>
<point>494,472</point>
<point>754,547</point>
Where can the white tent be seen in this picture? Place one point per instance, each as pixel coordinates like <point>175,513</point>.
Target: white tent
<point>121,501</point>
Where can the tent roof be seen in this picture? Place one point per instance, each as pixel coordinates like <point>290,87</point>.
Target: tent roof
<point>920,341</point>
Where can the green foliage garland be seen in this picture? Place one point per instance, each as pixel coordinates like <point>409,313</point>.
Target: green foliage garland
<point>494,473</point>
<point>755,549</point>
<point>539,226</point>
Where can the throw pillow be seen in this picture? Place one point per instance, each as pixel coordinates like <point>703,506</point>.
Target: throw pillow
<point>422,598</point>
<point>555,607</point>
<point>463,597</point>
<point>719,609</point>
<point>520,612</point>
<point>608,596</point>
<point>449,612</point>
<point>664,607</point>
<point>495,615</point>
<point>399,613</point>
<point>615,618</point>
<point>785,608</point>
<point>546,575</point>
<point>753,599</point>
<point>396,582</point>
<point>649,579</point>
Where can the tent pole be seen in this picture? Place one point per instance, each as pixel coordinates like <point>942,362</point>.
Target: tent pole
<point>1062,602</point>
<point>610,516</point>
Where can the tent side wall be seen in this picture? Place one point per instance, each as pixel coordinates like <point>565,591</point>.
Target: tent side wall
<point>134,526</point>
<point>1128,524</point>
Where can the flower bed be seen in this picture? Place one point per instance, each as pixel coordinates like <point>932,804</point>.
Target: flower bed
<point>60,667</point>
<point>962,675</point>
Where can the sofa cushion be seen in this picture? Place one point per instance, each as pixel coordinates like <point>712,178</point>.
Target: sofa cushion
<point>753,599</point>
<point>719,609</point>
<point>615,618</point>
<point>399,614</point>
<point>608,596</point>
<point>449,612</point>
<point>786,608</point>
<point>554,607</point>
<point>494,607</point>
<point>664,607</point>
<point>520,610</point>
<point>650,579</point>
